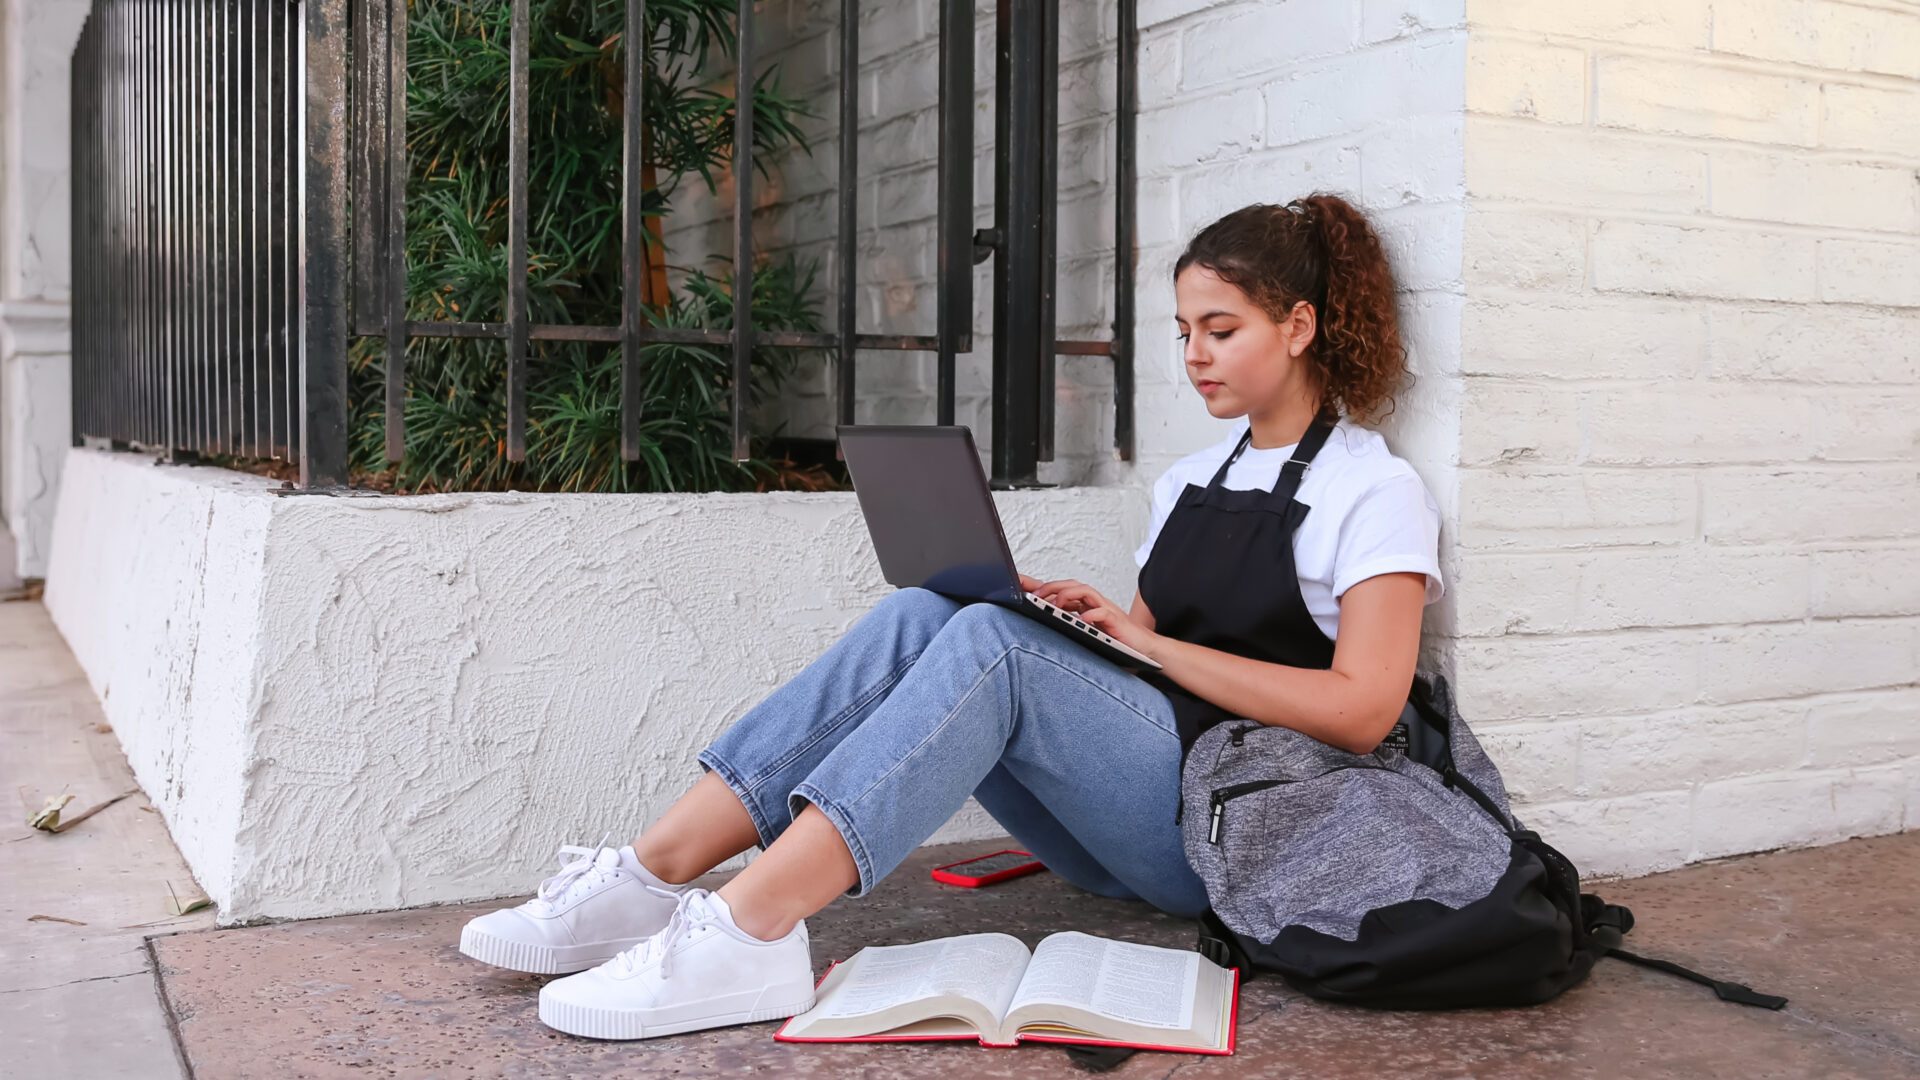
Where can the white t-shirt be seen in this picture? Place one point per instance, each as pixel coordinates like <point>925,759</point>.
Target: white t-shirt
<point>1371,514</point>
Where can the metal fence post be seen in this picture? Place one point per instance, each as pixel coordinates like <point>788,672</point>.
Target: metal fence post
<point>323,198</point>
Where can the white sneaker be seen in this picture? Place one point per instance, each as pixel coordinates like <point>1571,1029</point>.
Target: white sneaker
<point>700,971</point>
<point>601,902</point>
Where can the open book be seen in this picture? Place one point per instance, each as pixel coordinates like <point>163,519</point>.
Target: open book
<point>1072,988</point>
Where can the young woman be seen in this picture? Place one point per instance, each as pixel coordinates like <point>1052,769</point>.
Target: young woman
<point>1282,580</point>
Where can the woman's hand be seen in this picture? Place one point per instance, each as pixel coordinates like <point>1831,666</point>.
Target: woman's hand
<point>1086,602</point>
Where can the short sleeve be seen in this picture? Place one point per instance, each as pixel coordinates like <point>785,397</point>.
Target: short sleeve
<point>1164,496</point>
<point>1393,528</point>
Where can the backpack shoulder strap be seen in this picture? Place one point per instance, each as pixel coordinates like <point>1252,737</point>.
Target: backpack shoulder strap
<point>1727,991</point>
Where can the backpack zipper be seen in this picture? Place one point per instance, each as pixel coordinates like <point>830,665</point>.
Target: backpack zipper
<point>1222,796</point>
<point>1239,739</point>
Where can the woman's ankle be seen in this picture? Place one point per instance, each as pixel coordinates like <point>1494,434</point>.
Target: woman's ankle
<point>663,865</point>
<point>755,919</point>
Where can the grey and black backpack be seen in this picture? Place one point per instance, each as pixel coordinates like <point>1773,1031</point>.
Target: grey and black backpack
<point>1394,879</point>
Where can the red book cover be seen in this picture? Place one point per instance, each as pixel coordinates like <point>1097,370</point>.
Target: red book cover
<point>1233,1028</point>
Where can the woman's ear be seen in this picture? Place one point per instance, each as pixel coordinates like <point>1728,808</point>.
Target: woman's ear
<point>1301,327</point>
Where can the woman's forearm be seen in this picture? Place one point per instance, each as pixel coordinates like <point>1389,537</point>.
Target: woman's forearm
<point>1330,705</point>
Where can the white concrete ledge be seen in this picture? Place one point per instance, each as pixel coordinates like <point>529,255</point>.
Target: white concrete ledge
<point>352,704</point>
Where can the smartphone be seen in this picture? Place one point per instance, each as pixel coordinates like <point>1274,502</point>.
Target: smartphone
<point>988,869</point>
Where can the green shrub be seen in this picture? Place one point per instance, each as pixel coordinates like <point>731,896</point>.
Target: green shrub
<point>456,402</point>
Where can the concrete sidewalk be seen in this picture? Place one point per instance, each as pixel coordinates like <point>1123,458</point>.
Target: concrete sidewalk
<point>108,875</point>
<point>387,995</point>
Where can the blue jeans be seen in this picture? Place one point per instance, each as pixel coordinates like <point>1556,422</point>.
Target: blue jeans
<point>926,701</point>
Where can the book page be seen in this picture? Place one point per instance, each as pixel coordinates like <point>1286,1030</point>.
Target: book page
<point>1141,984</point>
<point>982,967</point>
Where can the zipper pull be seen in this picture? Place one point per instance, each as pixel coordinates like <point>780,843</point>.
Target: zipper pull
<point>1213,822</point>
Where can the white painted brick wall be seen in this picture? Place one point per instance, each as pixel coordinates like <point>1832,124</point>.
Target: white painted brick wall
<point>1241,102</point>
<point>1660,263</point>
<point>1687,615</point>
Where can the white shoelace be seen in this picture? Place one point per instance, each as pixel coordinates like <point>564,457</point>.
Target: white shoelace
<point>692,912</point>
<point>579,867</point>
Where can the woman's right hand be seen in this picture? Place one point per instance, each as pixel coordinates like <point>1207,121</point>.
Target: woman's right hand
<point>1030,584</point>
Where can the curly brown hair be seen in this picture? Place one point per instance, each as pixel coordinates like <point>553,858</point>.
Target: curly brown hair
<point>1320,249</point>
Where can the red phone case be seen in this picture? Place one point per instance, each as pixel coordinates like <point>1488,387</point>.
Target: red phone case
<point>950,876</point>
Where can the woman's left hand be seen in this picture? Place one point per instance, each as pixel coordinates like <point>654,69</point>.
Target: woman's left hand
<point>1085,601</point>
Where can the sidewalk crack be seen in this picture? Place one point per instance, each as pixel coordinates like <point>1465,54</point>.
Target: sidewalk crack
<point>73,982</point>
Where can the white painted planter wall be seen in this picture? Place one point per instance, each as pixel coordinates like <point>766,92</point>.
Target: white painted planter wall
<point>345,704</point>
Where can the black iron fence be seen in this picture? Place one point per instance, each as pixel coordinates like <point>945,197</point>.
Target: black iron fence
<point>237,163</point>
<point>186,226</point>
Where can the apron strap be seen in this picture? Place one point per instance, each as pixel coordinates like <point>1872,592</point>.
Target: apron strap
<point>1220,474</point>
<point>1296,466</point>
<point>1303,455</point>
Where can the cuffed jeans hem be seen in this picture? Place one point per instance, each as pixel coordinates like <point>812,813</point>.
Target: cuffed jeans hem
<point>807,793</point>
<point>741,791</point>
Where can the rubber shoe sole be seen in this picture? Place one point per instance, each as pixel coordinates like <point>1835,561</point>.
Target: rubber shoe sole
<point>598,1022</point>
<point>538,959</point>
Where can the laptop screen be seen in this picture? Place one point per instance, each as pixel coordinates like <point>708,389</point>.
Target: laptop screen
<point>928,510</point>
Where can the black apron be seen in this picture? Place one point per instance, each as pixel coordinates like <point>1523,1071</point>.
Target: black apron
<point>1221,575</point>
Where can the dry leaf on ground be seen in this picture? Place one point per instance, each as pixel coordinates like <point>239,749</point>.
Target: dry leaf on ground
<point>47,818</point>
<point>184,905</point>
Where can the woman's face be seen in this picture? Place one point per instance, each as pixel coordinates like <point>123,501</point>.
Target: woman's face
<point>1240,360</point>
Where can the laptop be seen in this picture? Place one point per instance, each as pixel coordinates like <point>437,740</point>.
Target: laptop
<point>934,525</point>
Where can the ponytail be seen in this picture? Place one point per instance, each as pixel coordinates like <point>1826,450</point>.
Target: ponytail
<point>1320,249</point>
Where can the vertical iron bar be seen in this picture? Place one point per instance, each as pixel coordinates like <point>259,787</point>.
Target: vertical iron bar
<point>76,230</point>
<point>1017,343</point>
<point>1049,209</point>
<point>159,316</point>
<point>849,203</point>
<point>110,222</point>
<point>202,301</point>
<point>259,43</point>
<point>634,261</point>
<point>116,382</point>
<point>242,216</point>
<point>135,164</point>
<point>743,229</point>
<point>76,237</point>
<point>368,96</point>
<point>278,166</point>
<point>395,241</point>
<point>517,238</point>
<point>1125,110</point>
<point>87,320</point>
<point>171,246</point>
<point>228,208</point>
<point>237,328</point>
<point>323,345</point>
<point>216,229</point>
<point>212,369</point>
<point>123,262</point>
<point>292,98</point>
<point>129,168</point>
<point>954,303</point>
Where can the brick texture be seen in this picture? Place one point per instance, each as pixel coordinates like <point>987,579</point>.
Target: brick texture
<point>1685,606</point>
